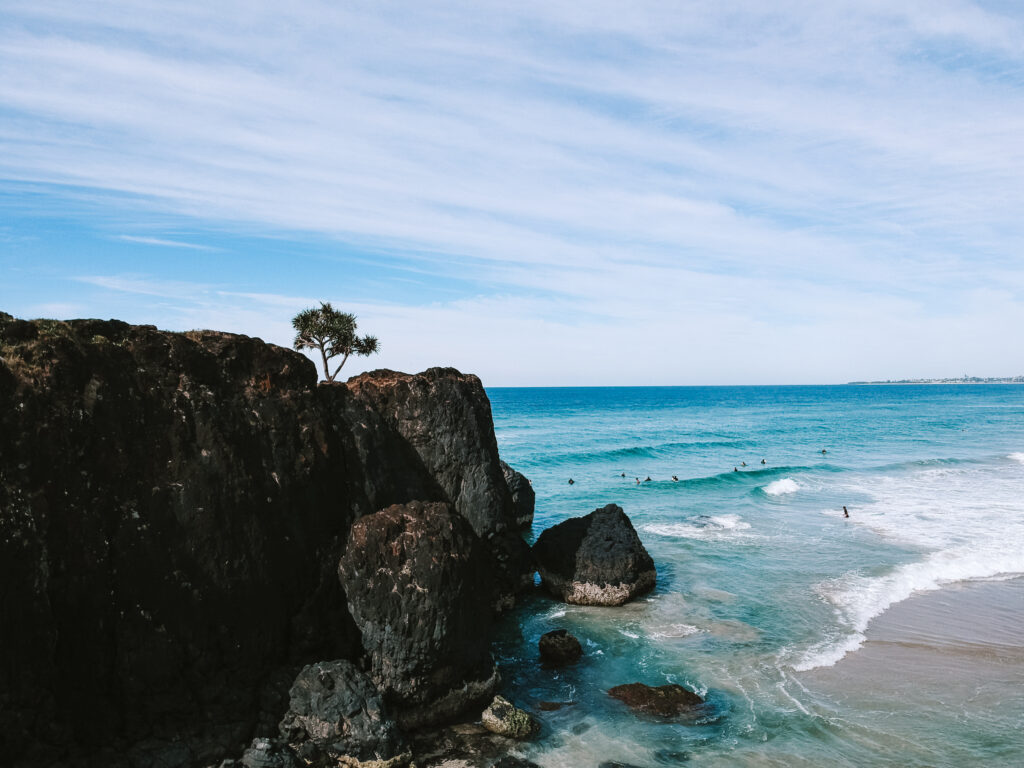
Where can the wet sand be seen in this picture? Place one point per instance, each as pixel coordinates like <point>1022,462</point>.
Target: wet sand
<point>953,658</point>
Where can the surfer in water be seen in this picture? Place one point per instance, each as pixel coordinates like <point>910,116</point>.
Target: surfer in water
<point>743,463</point>
<point>571,481</point>
<point>675,479</point>
<point>763,461</point>
<point>648,479</point>
<point>845,513</point>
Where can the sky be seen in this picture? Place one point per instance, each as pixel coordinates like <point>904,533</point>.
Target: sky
<point>541,193</point>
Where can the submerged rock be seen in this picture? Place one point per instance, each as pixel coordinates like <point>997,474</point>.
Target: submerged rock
<point>337,710</point>
<point>505,719</point>
<point>523,496</point>
<point>594,560</point>
<point>419,584</point>
<point>559,647</point>
<point>664,701</point>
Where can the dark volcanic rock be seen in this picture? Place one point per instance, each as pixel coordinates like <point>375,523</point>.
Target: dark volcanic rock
<point>269,753</point>
<point>445,417</point>
<point>172,511</point>
<point>559,647</point>
<point>464,462</point>
<point>466,745</point>
<point>665,701</point>
<point>594,560</point>
<point>523,496</point>
<point>336,709</point>
<point>505,719</point>
<point>420,586</point>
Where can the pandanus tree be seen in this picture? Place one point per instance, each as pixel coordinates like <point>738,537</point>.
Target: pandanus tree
<point>333,333</point>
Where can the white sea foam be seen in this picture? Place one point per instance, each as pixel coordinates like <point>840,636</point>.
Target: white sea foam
<point>714,528</point>
<point>671,631</point>
<point>782,487</point>
<point>969,520</point>
<point>1019,457</point>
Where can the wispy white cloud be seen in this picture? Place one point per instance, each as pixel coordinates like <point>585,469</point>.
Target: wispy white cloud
<point>158,241</point>
<point>720,173</point>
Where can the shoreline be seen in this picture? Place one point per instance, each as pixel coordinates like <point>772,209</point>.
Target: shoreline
<point>954,656</point>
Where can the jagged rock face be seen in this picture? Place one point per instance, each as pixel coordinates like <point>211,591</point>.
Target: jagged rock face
<point>455,442</point>
<point>172,510</point>
<point>167,502</point>
<point>445,417</point>
<point>338,711</point>
<point>594,560</point>
<point>420,589</point>
<point>523,496</point>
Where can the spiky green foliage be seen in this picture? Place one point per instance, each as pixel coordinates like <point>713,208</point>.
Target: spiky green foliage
<point>333,333</point>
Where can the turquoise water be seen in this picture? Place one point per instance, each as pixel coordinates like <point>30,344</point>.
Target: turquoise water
<point>763,587</point>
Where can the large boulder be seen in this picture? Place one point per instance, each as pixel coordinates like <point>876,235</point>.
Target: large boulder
<point>337,713</point>
<point>523,496</point>
<point>444,421</point>
<point>664,701</point>
<point>594,560</point>
<point>420,588</point>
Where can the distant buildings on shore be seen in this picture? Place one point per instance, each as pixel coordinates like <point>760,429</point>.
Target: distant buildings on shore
<point>961,380</point>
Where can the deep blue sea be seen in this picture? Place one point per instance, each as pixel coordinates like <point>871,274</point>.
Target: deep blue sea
<point>766,593</point>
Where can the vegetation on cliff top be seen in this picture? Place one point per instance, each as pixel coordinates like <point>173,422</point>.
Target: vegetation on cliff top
<point>333,333</point>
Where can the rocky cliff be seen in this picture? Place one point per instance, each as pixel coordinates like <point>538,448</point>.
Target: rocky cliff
<point>173,508</point>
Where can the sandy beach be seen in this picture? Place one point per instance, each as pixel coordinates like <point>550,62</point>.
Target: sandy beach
<point>954,657</point>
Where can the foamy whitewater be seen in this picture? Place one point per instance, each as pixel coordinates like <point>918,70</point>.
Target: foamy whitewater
<point>763,585</point>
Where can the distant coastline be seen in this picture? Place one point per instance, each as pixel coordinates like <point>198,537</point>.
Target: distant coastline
<point>961,380</point>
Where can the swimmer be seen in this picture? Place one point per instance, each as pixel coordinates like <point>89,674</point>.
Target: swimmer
<point>638,481</point>
<point>763,461</point>
<point>743,463</point>
<point>571,481</point>
<point>623,474</point>
<point>823,450</point>
<point>735,469</point>
<point>845,513</point>
<point>675,479</point>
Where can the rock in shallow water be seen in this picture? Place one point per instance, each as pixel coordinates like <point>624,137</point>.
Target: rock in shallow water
<point>664,701</point>
<point>594,560</point>
<point>420,586</point>
<point>505,719</point>
<point>559,647</point>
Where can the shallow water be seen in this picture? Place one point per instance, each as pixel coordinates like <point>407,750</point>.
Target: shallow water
<point>763,586</point>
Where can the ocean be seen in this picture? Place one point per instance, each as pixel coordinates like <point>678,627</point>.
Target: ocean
<point>892,637</point>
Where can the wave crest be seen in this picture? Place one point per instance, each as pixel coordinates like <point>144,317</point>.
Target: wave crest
<point>714,528</point>
<point>781,487</point>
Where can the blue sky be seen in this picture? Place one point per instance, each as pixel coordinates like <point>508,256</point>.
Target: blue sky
<point>541,193</point>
